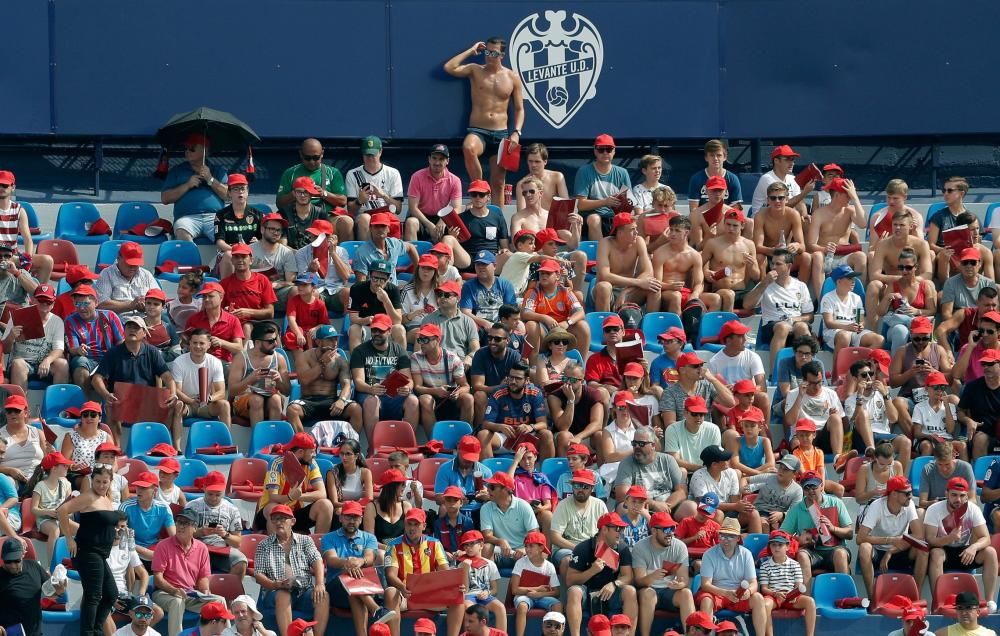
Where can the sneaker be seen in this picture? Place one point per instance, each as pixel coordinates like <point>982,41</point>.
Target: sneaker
<point>840,462</point>
<point>383,615</point>
<point>991,607</point>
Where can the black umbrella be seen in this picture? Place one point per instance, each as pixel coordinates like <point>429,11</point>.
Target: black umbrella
<point>224,131</point>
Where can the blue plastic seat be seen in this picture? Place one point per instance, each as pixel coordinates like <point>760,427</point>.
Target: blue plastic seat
<point>755,542</point>
<point>184,253</point>
<point>828,589</point>
<point>498,464</point>
<point>325,465</point>
<point>710,326</point>
<point>29,211</point>
<point>422,246</point>
<point>878,207</point>
<point>205,434</point>
<point>60,553</point>
<point>917,470</point>
<point>132,213</point>
<point>107,254</point>
<point>144,436</point>
<point>554,467</point>
<point>72,220</point>
<point>191,469</point>
<point>783,354</point>
<point>655,323</point>
<point>449,432</point>
<point>263,207</point>
<point>352,248</point>
<point>986,231</point>
<point>58,398</point>
<point>595,320</point>
<point>829,285</point>
<point>266,433</point>
<point>931,210</point>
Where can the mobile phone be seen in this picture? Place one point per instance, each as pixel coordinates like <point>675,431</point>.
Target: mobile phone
<point>214,524</point>
<point>536,503</point>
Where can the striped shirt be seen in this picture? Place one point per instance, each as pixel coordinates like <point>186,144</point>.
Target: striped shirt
<point>442,373</point>
<point>9,219</point>
<point>426,556</point>
<point>780,577</point>
<point>99,334</point>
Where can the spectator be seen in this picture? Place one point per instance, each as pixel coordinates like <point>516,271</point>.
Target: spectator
<point>820,542</point>
<point>325,385</point>
<point>663,371</point>
<point>577,410</point>
<point>955,189</point>
<point>885,269</point>
<point>181,571</point>
<point>656,230</point>
<point>371,364</point>
<point>717,477</point>
<point>24,446</point>
<point>486,223</point>
<point>510,317</point>
<point>820,404</point>
<point>957,328</point>
<point>419,296</point>
<point>330,262</point>
<point>505,520</point>
<point>657,472</point>
<point>724,569</point>
<point>516,412</point>
<point>459,333</point>
<point>843,314</point>
<point>532,485</point>
<point>716,193</point>
<point>490,366</point>
<point>483,295</point>
<point>14,227</point>
<point>351,479</point>
<point>258,379</point>
<point>575,518</point>
<point>979,403</point>
<point>483,575</point>
<point>685,442</point>
<point>142,615</point>
<point>349,550</point>
<point>375,296</point>
<point>235,224</point>
<point>735,362</point>
<point>602,366</point>
<point>416,552</point>
<point>937,419</point>
<point>785,302</point>
<point>875,474</point>
<point>752,454</point>
<point>371,186</point>
<point>544,597</point>
<point>969,366</point>
<point>938,474</point>
<point>306,501</point>
<point>90,333</point>
<point>270,253</point>
<point>466,472</point>
<point>633,512</point>
<point>692,381</point>
<point>327,179</point>
<point>781,577</point>
<point>162,335</point>
<point>882,536</point>
<point>385,515</point>
<point>911,365</point>
<point>381,248</point>
<point>782,163</point>
<point>218,524</point>
<point>106,456</point>
<point>624,271</point>
<point>196,191</point>
<point>956,532</point>
<point>289,569</point>
<point>306,313</point>
<point>553,182</point>
<point>76,276</point>
<point>439,380</point>
<point>835,226</point>
<point>553,358</point>
<point>614,442</point>
<point>548,242</point>
<point>167,491</point>
<point>908,300</point>
<point>812,458</point>
<point>225,330</point>
<point>550,306</point>
<point>661,583</point>
<point>80,444</point>
<point>597,187</point>
<point>431,190</point>
<point>872,414</point>
<point>23,584</point>
<point>249,295</point>
<point>213,619</point>
<point>651,167</point>
<point>146,516</point>
<point>961,290</point>
<point>50,491</point>
<point>589,574</point>
<point>39,358</point>
<point>776,492</point>
<point>779,227</point>
<point>716,154</point>
<point>301,213</point>
<point>967,609</point>
<point>730,252</point>
<point>186,371</point>
<point>452,521</point>
<point>248,619</point>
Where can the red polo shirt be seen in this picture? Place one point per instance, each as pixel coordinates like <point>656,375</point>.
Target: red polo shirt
<point>602,369</point>
<point>254,293</point>
<point>227,327</point>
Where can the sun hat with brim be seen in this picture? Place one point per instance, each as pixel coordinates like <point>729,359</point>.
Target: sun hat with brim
<point>558,333</point>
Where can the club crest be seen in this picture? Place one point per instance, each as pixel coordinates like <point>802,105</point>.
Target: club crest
<point>558,66</point>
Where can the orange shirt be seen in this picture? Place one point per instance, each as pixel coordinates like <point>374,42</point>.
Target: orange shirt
<point>811,460</point>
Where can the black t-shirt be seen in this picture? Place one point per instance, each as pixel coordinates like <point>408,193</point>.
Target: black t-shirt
<point>945,220</point>
<point>379,364</point>
<point>22,597</point>
<point>581,411</point>
<point>583,558</point>
<point>983,404</point>
<point>119,365</point>
<point>233,230</point>
<point>486,231</point>
<point>366,304</point>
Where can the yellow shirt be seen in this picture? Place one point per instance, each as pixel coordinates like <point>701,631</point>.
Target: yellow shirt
<point>274,483</point>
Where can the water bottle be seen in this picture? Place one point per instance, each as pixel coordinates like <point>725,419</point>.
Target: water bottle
<point>782,244</point>
<point>828,262</point>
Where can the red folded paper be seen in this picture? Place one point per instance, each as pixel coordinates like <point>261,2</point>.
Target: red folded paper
<point>158,335</point>
<point>606,553</point>
<point>367,585</point>
<point>811,173</point>
<point>451,218</point>
<point>640,413</point>
<point>30,322</point>
<point>216,449</point>
<point>623,204</point>
<point>140,403</point>
<point>957,238</point>
<point>511,442</point>
<point>552,387</point>
<point>919,544</point>
<point>850,248</point>
<point>221,550</point>
<point>559,212</point>
<point>883,225</point>
<point>526,349</point>
<point>954,520</point>
<point>50,435</point>
<point>509,155</point>
<point>395,381</point>
<point>713,215</point>
<point>626,352</point>
<point>670,567</point>
<point>202,385</point>
<point>656,223</point>
<point>435,589</point>
<point>530,578</point>
<point>292,470</point>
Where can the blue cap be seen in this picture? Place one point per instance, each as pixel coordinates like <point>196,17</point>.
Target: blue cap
<point>843,271</point>
<point>326,332</point>
<point>142,601</point>
<point>308,277</point>
<point>487,258</point>
<point>709,503</point>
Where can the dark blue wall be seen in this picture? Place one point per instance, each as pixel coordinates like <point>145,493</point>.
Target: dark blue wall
<point>344,68</point>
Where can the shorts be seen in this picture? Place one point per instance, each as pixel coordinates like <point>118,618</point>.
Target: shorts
<point>837,260</point>
<point>302,521</point>
<point>559,554</point>
<point>858,445</point>
<point>197,225</point>
<point>546,602</point>
<point>822,558</point>
<point>334,306</point>
<point>198,410</point>
<point>740,294</point>
<point>390,408</point>
<point>665,599</point>
<point>786,604</point>
<point>82,362</point>
<point>723,603</point>
<point>898,561</point>
<point>224,564</point>
<point>241,403</point>
<point>953,559</point>
<point>474,598</point>
<point>766,332</point>
<point>315,407</point>
<point>491,138</point>
<point>830,334</point>
<point>301,600</point>
<point>611,606</point>
<point>445,409</point>
<point>822,441</point>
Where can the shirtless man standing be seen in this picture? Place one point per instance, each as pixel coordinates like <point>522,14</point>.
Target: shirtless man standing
<point>537,157</point>
<point>780,227</point>
<point>737,253</point>
<point>495,89</point>
<point>678,266</point>
<point>831,226</point>
<point>624,271</point>
<point>716,191</point>
<point>887,252</point>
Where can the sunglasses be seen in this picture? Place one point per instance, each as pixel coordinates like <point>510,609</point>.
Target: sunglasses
<point>906,268</point>
<point>775,197</point>
<point>447,295</point>
<point>920,338</point>
<point>519,378</point>
<point>612,329</point>
<point>639,444</point>
<point>527,192</point>
<point>478,195</point>
<point>572,380</point>
<point>950,190</point>
<point>810,487</point>
<point>144,614</point>
<point>867,374</point>
<point>379,279</point>
<point>582,486</point>
<point>983,364</point>
<point>300,192</point>
<point>311,157</point>
<point>564,343</point>
<point>379,331</point>
<point>970,262</point>
<point>497,338</point>
<point>605,149</point>
<point>667,530</point>
<point>90,414</point>
<point>424,339</point>
<point>13,411</point>
<point>493,53</point>
<point>988,332</point>
<point>5,185</point>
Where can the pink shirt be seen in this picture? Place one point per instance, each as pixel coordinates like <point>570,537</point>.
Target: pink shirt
<point>181,569</point>
<point>526,488</point>
<point>431,194</point>
<point>975,370</point>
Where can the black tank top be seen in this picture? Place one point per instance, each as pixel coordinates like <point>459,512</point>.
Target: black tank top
<point>97,531</point>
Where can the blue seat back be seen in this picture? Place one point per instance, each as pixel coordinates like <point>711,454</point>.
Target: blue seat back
<point>59,397</point>
<point>917,470</point>
<point>352,248</point>
<point>982,465</point>
<point>269,432</point>
<point>829,285</point>
<point>72,217</point>
<point>448,432</point>
<point>829,587</point>
<point>655,323</point>
<point>191,469</point>
<point>783,354</point>
<point>498,464</point>
<point>711,324</point>
<point>594,321</point>
<point>107,253</point>
<point>755,542</point>
<point>182,252</point>
<point>146,435</point>
<point>132,213</point>
<point>988,220</point>
<point>422,246</point>
<point>206,433</point>
<point>554,468</point>
<point>932,209</point>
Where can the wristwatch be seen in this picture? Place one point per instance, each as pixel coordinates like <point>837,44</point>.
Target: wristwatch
<point>211,181</point>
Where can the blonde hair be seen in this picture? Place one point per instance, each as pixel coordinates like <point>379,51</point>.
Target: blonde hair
<point>533,179</point>
<point>664,195</point>
<point>897,186</point>
<point>648,160</point>
<point>777,185</point>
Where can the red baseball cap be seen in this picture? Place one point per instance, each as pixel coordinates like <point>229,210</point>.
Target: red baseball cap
<point>783,151</point>
<point>441,248</point>
<point>470,536</point>
<point>837,184</point>
<point>958,483</point>
<point>195,139</point>
<point>583,477</point>
<point>380,219</point>
<point>599,625</point>
<point>623,397</point>
<point>621,619</point>
<point>217,611</point>
<point>737,214</point>
<point>430,330</point>
<point>637,491</point>
<point>744,386</point>
<point>274,216</point>
<point>155,293</point>
<point>935,378</point>
<point>131,253</point>
<point>578,449</point>
<point>469,448</point>
<point>421,626</point>
<point>146,479</point>
<point>301,440</point>
<point>688,359</point>
<point>454,492</point>
<point>614,320</point>
<point>307,184</point>
<point>546,235</point>
<point>716,183</point>
<point>882,358</point>
<point>320,226</point>
<point>45,291</point>
<point>610,519</point>
<point>241,249</point>
<point>91,405</point>
<point>521,234</point>
<point>969,254</point>
<point>416,514</point>
<point>85,290</point>
<point>921,324</point>
<point>480,186</point>
<point>989,355</point>
<point>811,476</point>
<point>52,460</point>
<point>502,479</point>
<point>381,321</point>
<point>733,328</point>
<point>428,260</point>
<point>170,466</point>
<point>700,619</point>
<point>549,265</point>
<point>450,287</point>
<point>634,370</point>
<point>832,167</point>
<point>210,287</point>
<point>528,448</point>
<point>673,333</point>
<point>753,414</point>
<point>299,627</point>
<point>805,424</point>
<point>725,626</point>
<point>16,402</point>
<point>236,179</point>
<point>7,177</point>
<point>537,538</point>
<point>621,220</point>
<point>381,629</point>
<point>76,273</point>
<point>108,447</point>
<point>213,481</point>
<point>898,483</point>
<point>283,510</point>
<point>662,520</point>
<point>604,139</point>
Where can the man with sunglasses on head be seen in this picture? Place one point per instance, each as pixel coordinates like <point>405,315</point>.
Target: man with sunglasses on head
<point>598,188</point>
<point>372,362</point>
<point>881,542</point>
<point>329,180</point>
<point>962,289</point>
<point>258,377</point>
<point>39,358</point>
<point>514,413</point>
<point>277,258</point>
<point>196,191</point>
<point>376,295</point>
<point>786,306</point>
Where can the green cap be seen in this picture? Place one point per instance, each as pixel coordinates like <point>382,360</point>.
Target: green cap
<point>371,145</point>
<point>380,266</point>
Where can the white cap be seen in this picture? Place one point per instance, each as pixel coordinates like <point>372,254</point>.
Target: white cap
<point>555,617</point>
<point>251,606</point>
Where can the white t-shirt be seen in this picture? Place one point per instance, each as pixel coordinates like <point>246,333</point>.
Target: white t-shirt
<point>185,373</point>
<point>35,350</point>
<point>766,179</point>
<point>702,482</point>
<point>791,301</point>
<point>126,630</point>
<point>842,310</point>
<point>874,406</point>
<point>119,561</point>
<point>546,568</point>
<point>973,518</point>
<point>816,408</point>
<point>883,523</point>
<point>643,196</point>
<point>932,421</point>
<point>387,180</point>
<point>745,366</point>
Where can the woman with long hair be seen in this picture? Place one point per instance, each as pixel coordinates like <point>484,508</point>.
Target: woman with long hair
<point>25,444</point>
<point>553,358</point>
<point>384,514</point>
<point>350,480</point>
<point>905,299</point>
<point>419,296</point>
<point>80,444</point>
<point>89,543</point>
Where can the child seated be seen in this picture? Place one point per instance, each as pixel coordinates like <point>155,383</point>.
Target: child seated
<point>168,493</point>
<point>413,490</point>
<point>578,457</point>
<point>752,454</point>
<point>935,419</point>
<point>701,532</point>
<point>781,583</point>
<point>483,577</point>
<point>526,597</point>
<point>810,457</point>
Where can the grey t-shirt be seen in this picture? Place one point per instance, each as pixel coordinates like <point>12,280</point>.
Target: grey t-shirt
<point>673,398</point>
<point>955,291</point>
<point>648,557</point>
<point>660,477</point>
<point>935,486</point>
<point>457,333</point>
<point>771,496</point>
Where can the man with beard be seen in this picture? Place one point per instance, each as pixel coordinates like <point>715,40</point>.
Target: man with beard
<point>819,545</point>
<point>122,287</point>
<point>196,191</point>
<point>90,333</point>
<point>659,565</point>
<point>459,333</point>
<point>490,366</point>
<point>219,525</point>
<point>657,472</point>
<point>348,549</point>
<point>325,381</point>
<point>956,531</point>
<point>624,271</point>
<point>133,361</point>
<point>730,262</point>
<point>575,519</point>
<point>483,295</point>
<point>40,358</point>
<point>588,575</point>
<point>376,296</point>
<point>185,369</point>
<point>249,294</point>
<point>439,380</point>
<point>578,411</point>
<point>258,378</point>
<point>515,413</point>
<point>307,500</point>
<point>23,583</point>
<point>679,268</point>
<point>270,253</point>
<point>372,362</point>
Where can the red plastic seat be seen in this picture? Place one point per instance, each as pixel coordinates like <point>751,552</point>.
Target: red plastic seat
<point>948,586</point>
<point>427,472</point>
<point>850,479</point>
<point>29,528</point>
<point>63,253</point>
<point>135,467</point>
<point>248,546</point>
<point>889,585</point>
<point>228,586</point>
<point>392,433</point>
<point>535,612</point>
<point>246,478</point>
<point>846,357</point>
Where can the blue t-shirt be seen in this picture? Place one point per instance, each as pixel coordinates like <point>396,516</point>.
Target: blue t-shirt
<point>504,408</point>
<point>346,547</point>
<point>201,200</point>
<point>728,573</point>
<point>657,370</point>
<point>486,231</point>
<point>594,186</point>
<point>752,457</point>
<point>484,301</point>
<point>147,524</point>
<point>367,254</point>
<point>8,490</point>
<point>494,371</point>
<point>696,188</point>
<point>633,533</point>
<point>448,475</point>
<point>788,373</point>
<point>448,534</point>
